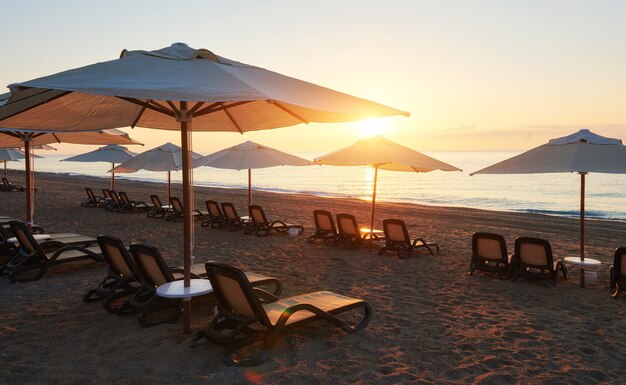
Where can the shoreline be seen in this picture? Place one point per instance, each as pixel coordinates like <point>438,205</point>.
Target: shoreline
<point>432,322</point>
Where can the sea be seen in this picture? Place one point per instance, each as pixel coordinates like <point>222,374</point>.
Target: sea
<point>552,194</point>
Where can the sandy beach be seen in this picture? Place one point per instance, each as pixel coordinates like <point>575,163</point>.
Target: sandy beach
<point>432,323</point>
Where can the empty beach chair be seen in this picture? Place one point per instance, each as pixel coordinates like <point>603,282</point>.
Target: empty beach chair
<point>158,210</point>
<point>397,239</point>
<point>131,205</point>
<point>349,232</point>
<point>617,272</point>
<point>233,221</point>
<point>325,228</point>
<point>489,254</point>
<point>92,200</point>
<point>261,226</point>
<point>8,186</point>
<point>533,258</point>
<point>34,258</point>
<point>176,212</point>
<point>120,281</point>
<point>215,217</point>
<point>247,315</point>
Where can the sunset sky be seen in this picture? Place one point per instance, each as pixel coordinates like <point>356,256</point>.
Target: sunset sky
<point>475,75</point>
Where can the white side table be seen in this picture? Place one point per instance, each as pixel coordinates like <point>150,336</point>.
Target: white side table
<point>587,262</point>
<point>176,289</point>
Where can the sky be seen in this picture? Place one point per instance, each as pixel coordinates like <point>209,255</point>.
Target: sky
<point>475,75</point>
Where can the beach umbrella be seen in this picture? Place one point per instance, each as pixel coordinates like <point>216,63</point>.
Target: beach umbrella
<point>582,152</point>
<point>178,88</point>
<point>167,157</point>
<point>112,153</point>
<point>249,155</point>
<point>11,154</point>
<point>381,153</point>
<point>30,139</point>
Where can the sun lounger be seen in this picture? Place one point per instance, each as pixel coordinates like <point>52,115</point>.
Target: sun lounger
<point>233,221</point>
<point>397,239</point>
<point>617,272</point>
<point>158,211</point>
<point>247,315</point>
<point>215,217</point>
<point>533,258</point>
<point>36,258</point>
<point>130,205</point>
<point>120,276</point>
<point>92,200</point>
<point>261,226</point>
<point>115,204</point>
<point>489,254</point>
<point>8,186</point>
<point>325,228</point>
<point>154,272</point>
<point>176,211</point>
<point>349,233</point>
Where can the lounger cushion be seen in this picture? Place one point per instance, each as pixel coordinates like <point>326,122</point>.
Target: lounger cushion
<point>324,300</point>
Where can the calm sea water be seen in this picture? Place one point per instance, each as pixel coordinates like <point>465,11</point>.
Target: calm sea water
<point>555,194</point>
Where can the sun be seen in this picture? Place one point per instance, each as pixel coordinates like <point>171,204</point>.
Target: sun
<point>371,127</point>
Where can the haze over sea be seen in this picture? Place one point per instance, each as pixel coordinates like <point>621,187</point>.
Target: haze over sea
<point>554,194</point>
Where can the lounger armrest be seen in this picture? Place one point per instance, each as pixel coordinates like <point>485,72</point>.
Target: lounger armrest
<point>265,296</point>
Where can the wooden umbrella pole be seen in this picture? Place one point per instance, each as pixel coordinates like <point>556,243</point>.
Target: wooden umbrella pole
<point>30,191</point>
<point>112,177</point>
<point>185,133</point>
<point>5,169</point>
<point>373,200</point>
<point>169,186</point>
<point>582,227</point>
<point>249,187</point>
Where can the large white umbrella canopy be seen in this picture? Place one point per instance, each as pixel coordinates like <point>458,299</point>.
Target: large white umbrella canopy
<point>178,88</point>
<point>249,155</point>
<point>29,139</point>
<point>381,153</point>
<point>112,153</point>
<point>582,152</point>
<point>10,155</point>
<point>167,157</point>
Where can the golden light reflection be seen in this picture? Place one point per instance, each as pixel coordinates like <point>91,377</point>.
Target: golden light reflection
<point>372,127</point>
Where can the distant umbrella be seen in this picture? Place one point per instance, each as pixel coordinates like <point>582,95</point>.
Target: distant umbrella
<point>580,152</point>
<point>381,153</point>
<point>11,154</point>
<point>167,157</point>
<point>112,153</point>
<point>249,155</point>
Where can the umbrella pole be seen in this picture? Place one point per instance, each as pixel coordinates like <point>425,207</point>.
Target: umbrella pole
<point>169,186</point>
<point>582,227</point>
<point>5,169</point>
<point>188,203</point>
<point>249,187</point>
<point>373,201</point>
<point>30,191</point>
<point>112,177</point>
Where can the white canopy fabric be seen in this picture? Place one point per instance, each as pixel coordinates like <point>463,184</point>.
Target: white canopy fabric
<point>381,153</point>
<point>178,88</point>
<point>11,154</point>
<point>238,97</point>
<point>110,154</point>
<point>10,138</point>
<point>581,152</point>
<point>249,155</point>
<point>167,157</point>
<point>384,154</point>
